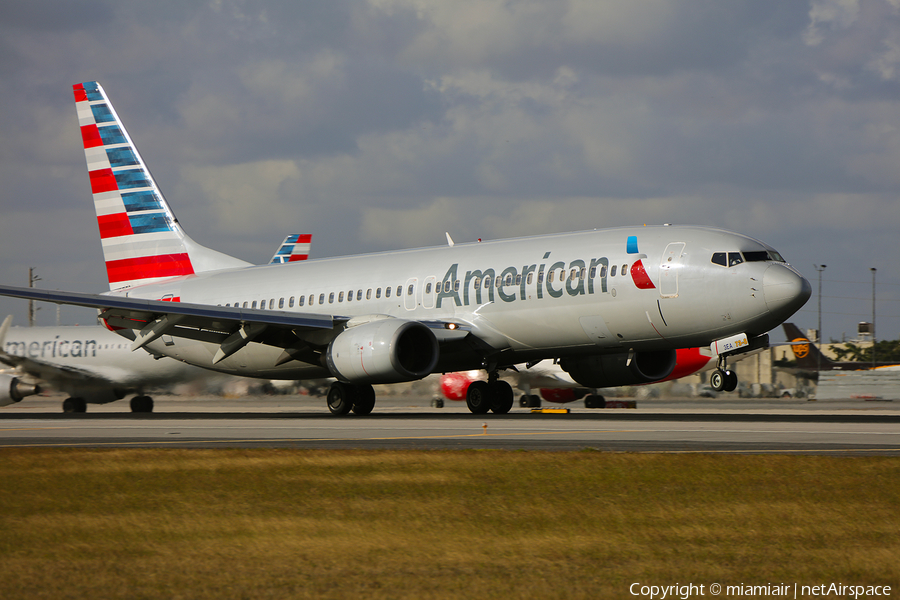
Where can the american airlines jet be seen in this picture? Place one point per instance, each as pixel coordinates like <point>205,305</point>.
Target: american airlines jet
<point>611,306</point>
<point>90,364</point>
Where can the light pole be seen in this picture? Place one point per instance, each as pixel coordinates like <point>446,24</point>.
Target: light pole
<point>873,269</point>
<point>819,268</point>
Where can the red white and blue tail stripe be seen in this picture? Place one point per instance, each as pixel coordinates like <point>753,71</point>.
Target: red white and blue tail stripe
<point>294,247</point>
<point>142,240</point>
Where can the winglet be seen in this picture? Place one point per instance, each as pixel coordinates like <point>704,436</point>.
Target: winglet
<point>4,329</point>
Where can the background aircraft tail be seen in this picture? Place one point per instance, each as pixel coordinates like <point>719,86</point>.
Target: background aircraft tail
<point>806,353</point>
<point>142,240</point>
<point>294,247</point>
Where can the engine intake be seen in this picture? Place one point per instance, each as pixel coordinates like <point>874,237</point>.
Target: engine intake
<point>610,370</point>
<point>12,389</point>
<point>383,351</point>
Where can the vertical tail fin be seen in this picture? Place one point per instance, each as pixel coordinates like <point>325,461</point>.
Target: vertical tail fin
<point>142,240</point>
<point>294,247</point>
<point>806,353</point>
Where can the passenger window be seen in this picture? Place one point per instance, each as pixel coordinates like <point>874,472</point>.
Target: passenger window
<point>487,282</point>
<point>253,305</point>
<point>331,298</point>
<point>624,269</point>
<point>322,298</point>
<point>550,276</point>
<point>399,291</point>
<point>377,293</point>
<point>734,258</point>
<point>301,300</point>
<point>368,294</point>
<point>593,272</point>
<point>340,296</point>
<point>603,271</point>
<point>573,275</point>
<point>428,288</point>
<point>359,294</point>
<point>447,285</point>
<point>456,285</point>
<point>409,292</point>
<point>529,279</point>
<point>387,292</point>
<point>719,258</point>
<point>281,302</point>
<point>612,272</point>
<point>271,303</point>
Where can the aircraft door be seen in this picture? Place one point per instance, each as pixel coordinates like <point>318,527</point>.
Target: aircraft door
<point>409,294</point>
<point>429,292</point>
<point>669,269</point>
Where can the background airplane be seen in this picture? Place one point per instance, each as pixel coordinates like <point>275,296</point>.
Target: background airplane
<point>89,363</point>
<point>810,359</point>
<point>557,386</point>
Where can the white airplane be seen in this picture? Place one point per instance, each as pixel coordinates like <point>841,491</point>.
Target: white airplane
<point>90,364</point>
<point>612,306</point>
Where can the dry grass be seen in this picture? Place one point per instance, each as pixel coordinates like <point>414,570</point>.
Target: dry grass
<point>394,524</point>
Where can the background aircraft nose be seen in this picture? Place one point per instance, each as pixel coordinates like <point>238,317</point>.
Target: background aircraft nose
<point>785,289</point>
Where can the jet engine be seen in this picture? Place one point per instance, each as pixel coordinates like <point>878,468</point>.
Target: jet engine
<point>383,351</point>
<point>12,389</point>
<point>610,370</point>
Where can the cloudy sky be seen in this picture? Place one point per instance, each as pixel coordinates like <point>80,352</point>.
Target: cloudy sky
<point>381,124</point>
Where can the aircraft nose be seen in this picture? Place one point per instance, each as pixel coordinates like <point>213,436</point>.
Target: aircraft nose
<point>785,290</point>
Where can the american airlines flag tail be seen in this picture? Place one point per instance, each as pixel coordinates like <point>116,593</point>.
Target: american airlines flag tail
<point>142,241</point>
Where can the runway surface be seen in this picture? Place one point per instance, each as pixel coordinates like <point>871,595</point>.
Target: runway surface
<point>851,427</point>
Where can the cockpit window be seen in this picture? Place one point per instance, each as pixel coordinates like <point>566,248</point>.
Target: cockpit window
<point>734,258</point>
<point>719,258</point>
<point>762,255</point>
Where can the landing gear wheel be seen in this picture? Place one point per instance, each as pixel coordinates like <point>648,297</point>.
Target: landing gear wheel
<point>74,405</point>
<point>530,401</point>
<point>340,398</point>
<point>731,381</point>
<point>718,380</point>
<point>501,397</point>
<point>478,397</point>
<point>365,400</point>
<point>142,404</point>
<point>594,401</point>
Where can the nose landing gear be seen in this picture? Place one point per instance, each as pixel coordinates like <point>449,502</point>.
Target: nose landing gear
<point>721,379</point>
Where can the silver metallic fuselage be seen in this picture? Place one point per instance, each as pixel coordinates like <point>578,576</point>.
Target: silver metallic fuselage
<point>685,301</point>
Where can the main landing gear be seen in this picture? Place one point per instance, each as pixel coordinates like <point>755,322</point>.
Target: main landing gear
<point>721,379</point>
<point>139,404</point>
<point>491,395</point>
<point>344,397</point>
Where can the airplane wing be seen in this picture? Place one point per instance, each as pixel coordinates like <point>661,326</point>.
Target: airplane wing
<point>231,327</point>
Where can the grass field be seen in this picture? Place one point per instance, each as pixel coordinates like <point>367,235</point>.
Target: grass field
<point>459,524</point>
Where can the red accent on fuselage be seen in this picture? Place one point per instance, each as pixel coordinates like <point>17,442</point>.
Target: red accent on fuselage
<point>640,277</point>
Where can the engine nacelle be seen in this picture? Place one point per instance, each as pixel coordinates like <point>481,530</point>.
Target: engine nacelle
<point>383,351</point>
<point>610,370</point>
<point>12,389</point>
